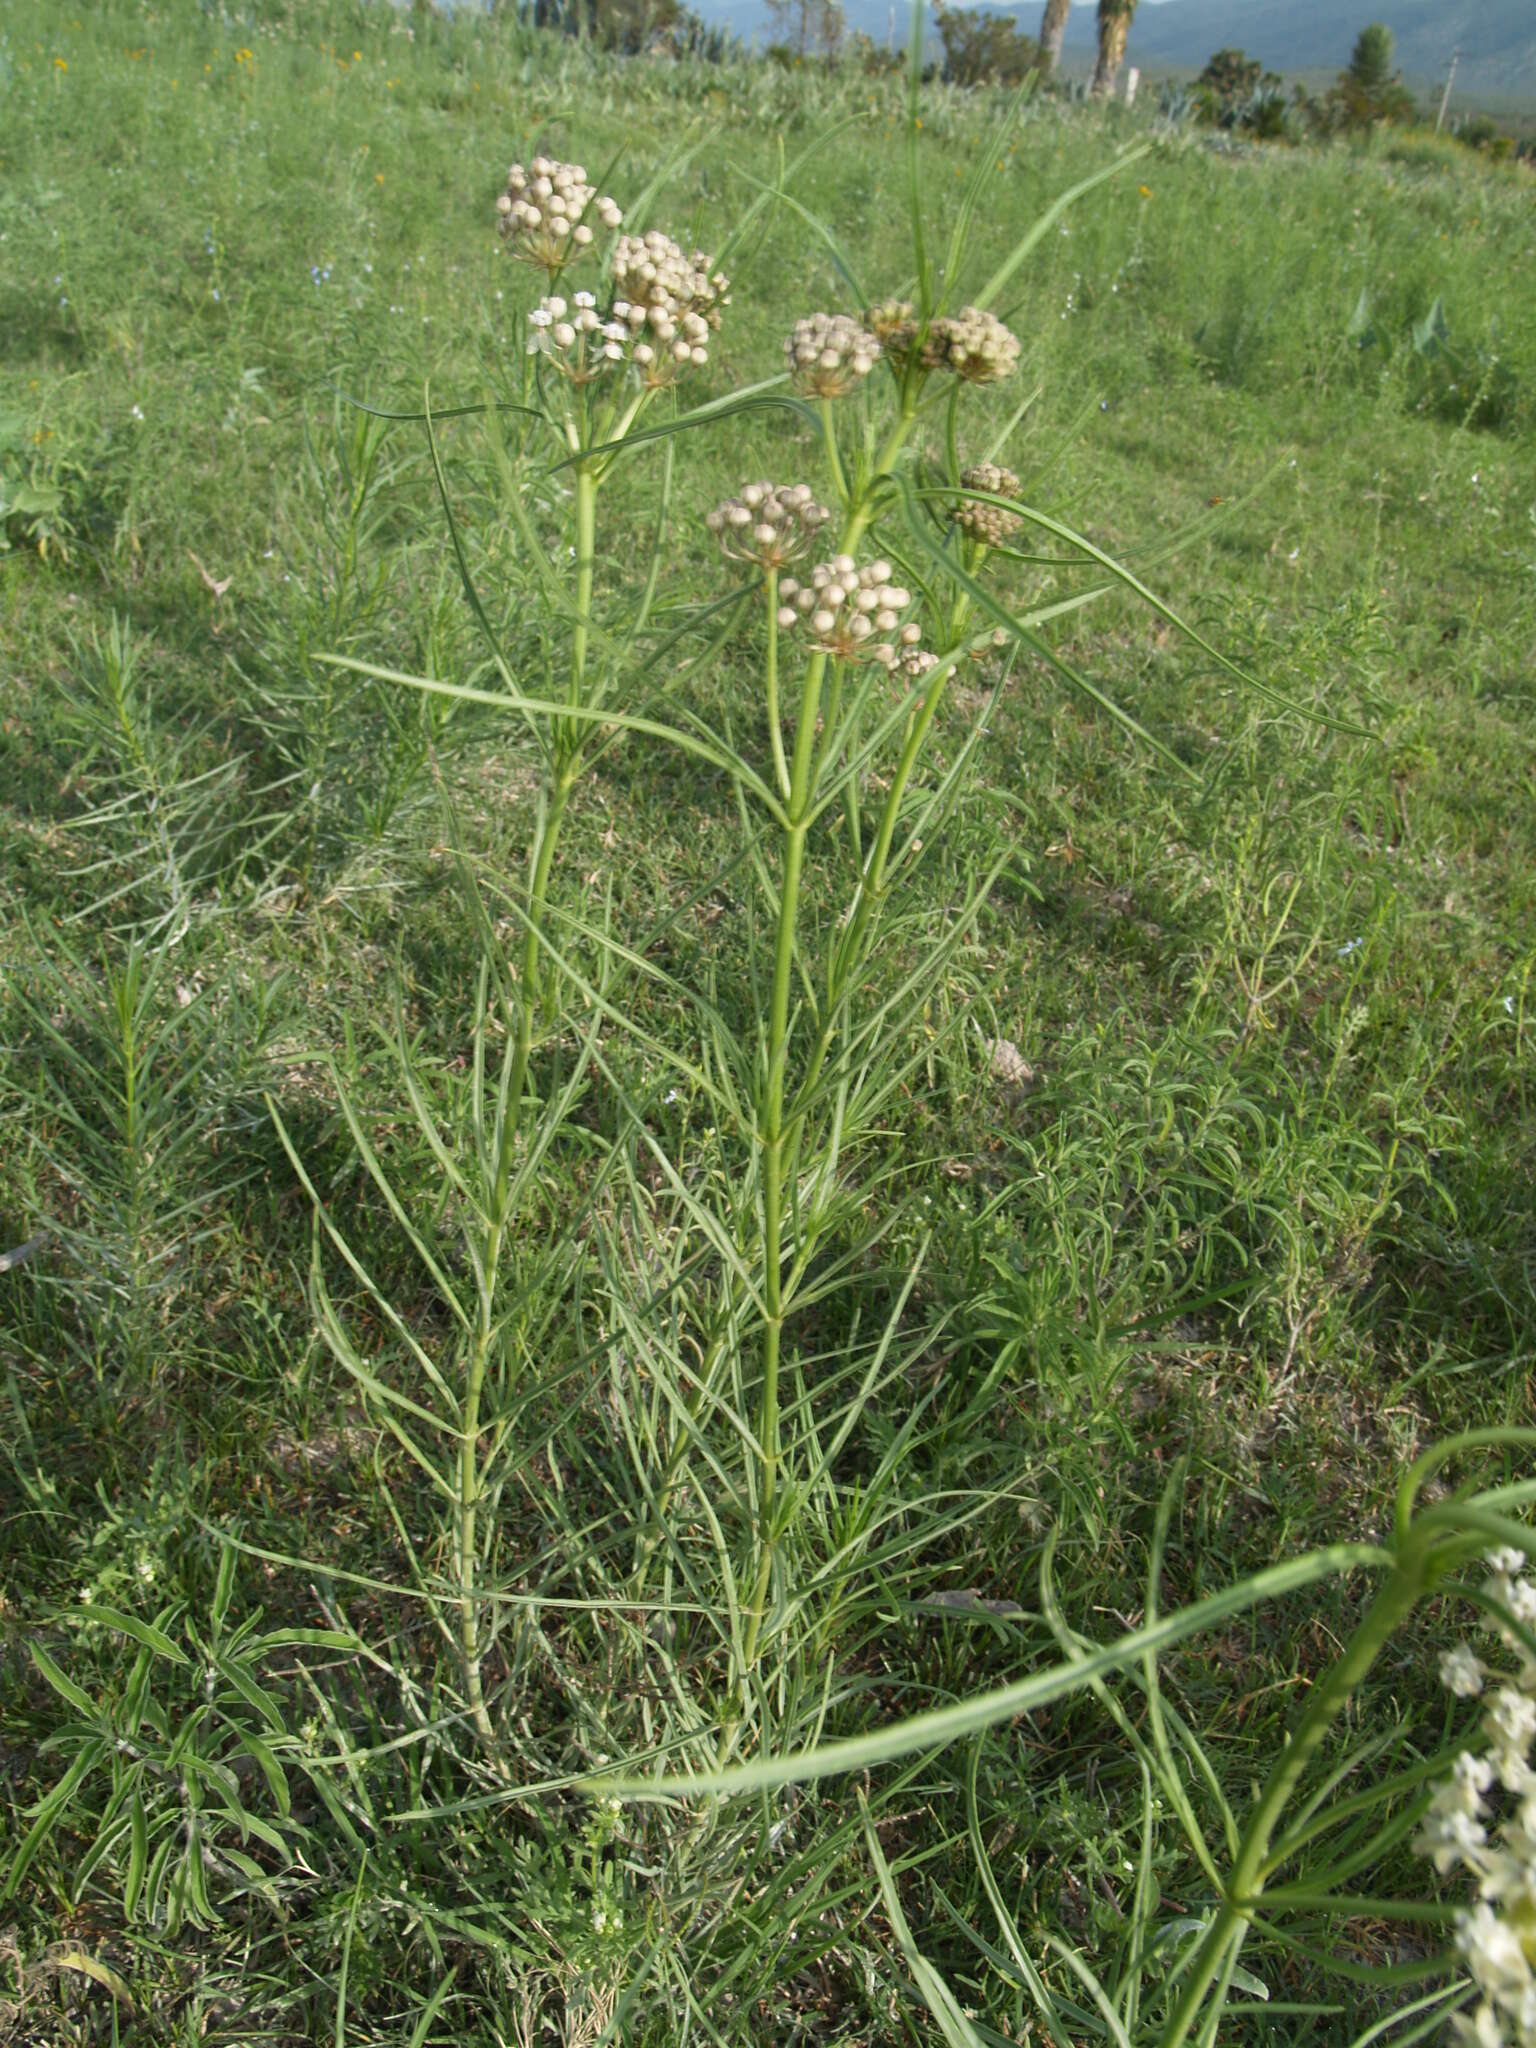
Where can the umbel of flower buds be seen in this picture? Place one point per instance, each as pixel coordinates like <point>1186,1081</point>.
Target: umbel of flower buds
<point>651,272</point>
<point>545,215</point>
<point>828,353</point>
<point>854,614</point>
<point>989,524</point>
<point>768,524</point>
<point>974,344</point>
<point>664,342</point>
<point>576,339</point>
<point>895,325</point>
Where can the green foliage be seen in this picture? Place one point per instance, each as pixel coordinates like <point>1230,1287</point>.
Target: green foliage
<point>1369,91</point>
<point>1235,91</point>
<point>1178,1192</point>
<point>1472,387</point>
<point>1230,75</point>
<point>1370,62</point>
<point>35,507</point>
<point>983,48</point>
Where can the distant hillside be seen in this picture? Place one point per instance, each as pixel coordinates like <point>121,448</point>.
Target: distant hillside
<point>1497,38</point>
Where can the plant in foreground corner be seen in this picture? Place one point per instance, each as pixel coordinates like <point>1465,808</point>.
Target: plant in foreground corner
<point>1287,1875</point>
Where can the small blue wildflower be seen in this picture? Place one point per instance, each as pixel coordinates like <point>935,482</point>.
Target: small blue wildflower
<point>1351,946</point>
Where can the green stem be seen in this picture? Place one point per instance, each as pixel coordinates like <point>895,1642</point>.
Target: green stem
<point>771,1139</point>
<point>771,684</point>
<point>530,984</point>
<point>870,893</point>
<point>466,1561</point>
<point>1224,1937</point>
<point>771,1132</point>
<point>586,563</point>
<point>834,458</point>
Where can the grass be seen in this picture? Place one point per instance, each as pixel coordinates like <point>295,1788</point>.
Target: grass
<point>1250,1211</point>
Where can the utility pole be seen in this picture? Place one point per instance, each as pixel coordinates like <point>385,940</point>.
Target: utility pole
<point>1445,97</point>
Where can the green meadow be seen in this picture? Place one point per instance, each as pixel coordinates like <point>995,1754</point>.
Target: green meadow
<point>578,1331</point>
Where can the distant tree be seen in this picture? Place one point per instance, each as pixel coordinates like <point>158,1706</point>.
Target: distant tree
<point>983,48</point>
<point>1053,27</point>
<point>808,26</point>
<point>1230,75</point>
<point>1370,64</point>
<point>872,58</point>
<point>1370,90</point>
<point>1114,26</point>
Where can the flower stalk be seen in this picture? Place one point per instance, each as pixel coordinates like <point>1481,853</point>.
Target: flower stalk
<point>1223,1939</point>
<point>777,1130</point>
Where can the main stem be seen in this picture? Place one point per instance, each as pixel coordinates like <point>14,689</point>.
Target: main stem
<point>530,983</point>
<point>772,1134</point>
<point>1226,1933</point>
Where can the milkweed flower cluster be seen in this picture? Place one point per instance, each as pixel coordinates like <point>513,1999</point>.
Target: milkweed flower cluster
<point>854,614</point>
<point>543,215</point>
<point>576,338</point>
<point>989,524</point>
<point>974,344</point>
<point>895,324</point>
<point>768,524</point>
<point>669,303</point>
<point>828,353</point>
<point>652,272</point>
<point>1496,1936</point>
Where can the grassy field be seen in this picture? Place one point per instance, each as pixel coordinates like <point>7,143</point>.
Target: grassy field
<point>1179,1198</point>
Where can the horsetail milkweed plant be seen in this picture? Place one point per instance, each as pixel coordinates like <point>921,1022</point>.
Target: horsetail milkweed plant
<point>865,594</point>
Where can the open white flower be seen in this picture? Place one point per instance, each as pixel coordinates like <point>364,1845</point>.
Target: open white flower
<point>577,341</point>
<point>1461,1672</point>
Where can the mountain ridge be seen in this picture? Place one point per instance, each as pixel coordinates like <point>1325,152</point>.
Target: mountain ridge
<point>1496,38</point>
